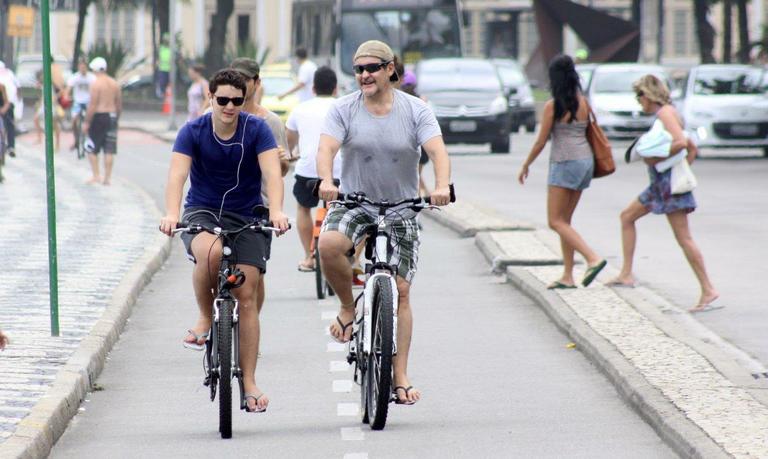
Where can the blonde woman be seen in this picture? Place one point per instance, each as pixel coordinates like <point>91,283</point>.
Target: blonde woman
<point>571,166</point>
<point>653,96</point>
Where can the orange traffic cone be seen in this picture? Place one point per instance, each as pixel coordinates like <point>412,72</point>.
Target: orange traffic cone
<point>167,101</point>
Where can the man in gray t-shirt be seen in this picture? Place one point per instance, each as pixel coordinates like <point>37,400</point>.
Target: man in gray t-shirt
<point>381,130</point>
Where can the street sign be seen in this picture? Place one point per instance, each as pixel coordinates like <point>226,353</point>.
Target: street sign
<point>20,21</point>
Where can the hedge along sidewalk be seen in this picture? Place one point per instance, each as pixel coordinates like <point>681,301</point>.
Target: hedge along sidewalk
<point>695,390</point>
<point>108,250</point>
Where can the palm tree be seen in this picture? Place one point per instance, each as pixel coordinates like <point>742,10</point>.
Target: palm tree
<point>744,45</point>
<point>704,31</point>
<point>217,35</point>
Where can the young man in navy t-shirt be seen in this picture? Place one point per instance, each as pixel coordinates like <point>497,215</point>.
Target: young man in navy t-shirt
<point>225,153</point>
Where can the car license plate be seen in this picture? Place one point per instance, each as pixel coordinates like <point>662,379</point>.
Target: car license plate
<point>744,130</point>
<point>463,126</point>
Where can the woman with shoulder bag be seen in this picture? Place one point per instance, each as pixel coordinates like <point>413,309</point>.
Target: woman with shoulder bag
<point>571,166</point>
<point>653,96</point>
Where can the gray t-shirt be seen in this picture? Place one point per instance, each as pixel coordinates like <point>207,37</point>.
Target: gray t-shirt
<point>381,153</point>
<point>278,131</point>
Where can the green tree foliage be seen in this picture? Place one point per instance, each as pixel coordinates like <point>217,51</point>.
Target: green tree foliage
<point>115,54</point>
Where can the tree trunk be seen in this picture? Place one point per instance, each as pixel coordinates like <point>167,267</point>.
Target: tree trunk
<point>82,12</point>
<point>163,9</point>
<point>217,35</point>
<point>6,48</point>
<point>727,32</point>
<point>744,45</point>
<point>637,12</point>
<point>704,31</point>
<point>154,38</point>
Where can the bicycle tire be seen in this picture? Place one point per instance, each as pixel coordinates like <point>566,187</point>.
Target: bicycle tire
<point>319,278</point>
<point>379,369</point>
<point>224,329</point>
<point>80,139</point>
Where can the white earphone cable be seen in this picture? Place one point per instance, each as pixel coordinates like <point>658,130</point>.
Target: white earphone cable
<point>242,155</point>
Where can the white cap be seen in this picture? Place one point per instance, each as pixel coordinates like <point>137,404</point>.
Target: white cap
<point>98,64</point>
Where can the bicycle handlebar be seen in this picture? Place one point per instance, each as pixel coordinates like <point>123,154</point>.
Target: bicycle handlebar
<point>360,198</point>
<point>194,228</point>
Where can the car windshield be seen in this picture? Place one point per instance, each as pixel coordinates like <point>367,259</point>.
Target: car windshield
<point>729,81</point>
<point>412,34</point>
<point>511,74</point>
<point>274,85</point>
<point>458,75</point>
<point>617,81</point>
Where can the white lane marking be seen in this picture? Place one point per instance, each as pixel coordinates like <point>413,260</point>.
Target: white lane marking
<point>328,315</point>
<point>336,347</point>
<point>339,365</point>
<point>342,385</point>
<point>347,409</point>
<point>356,456</point>
<point>352,434</point>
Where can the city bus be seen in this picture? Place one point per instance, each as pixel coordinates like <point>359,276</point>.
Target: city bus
<point>331,30</point>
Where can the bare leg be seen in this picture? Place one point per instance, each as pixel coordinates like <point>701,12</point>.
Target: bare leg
<point>333,258</point>
<point>95,175</point>
<point>568,251</point>
<point>38,128</point>
<point>305,224</point>
<point>629,216</point>
<point>404,333</point>
<point>250,333</point>
<point>260,293</point>
<point>109,160</point>
<point>207,252</point>
<point>559,201</point>
<point>679,223</point>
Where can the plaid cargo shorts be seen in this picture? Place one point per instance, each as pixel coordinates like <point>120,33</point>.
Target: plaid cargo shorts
<point>404,235</point>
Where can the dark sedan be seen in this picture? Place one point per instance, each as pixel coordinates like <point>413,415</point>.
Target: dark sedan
<point>468,99</point>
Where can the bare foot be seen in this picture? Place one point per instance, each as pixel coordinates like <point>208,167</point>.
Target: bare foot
<point>706,302</point>
<point>195,334</point>
<point>622,281</point>
<point>106,182</point>
<point>405,393</point>
<point>93,181</point>
<point>343,323</point>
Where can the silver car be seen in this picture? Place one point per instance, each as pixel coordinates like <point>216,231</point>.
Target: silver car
<point>726,106</point>
<point>612,99</point>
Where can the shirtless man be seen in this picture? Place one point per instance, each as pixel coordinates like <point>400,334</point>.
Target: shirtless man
<point>101,120</point>
<point>250,69</point>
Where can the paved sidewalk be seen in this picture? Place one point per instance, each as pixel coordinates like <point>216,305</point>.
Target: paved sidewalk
<point>106,245</point>
<point>693,388</point>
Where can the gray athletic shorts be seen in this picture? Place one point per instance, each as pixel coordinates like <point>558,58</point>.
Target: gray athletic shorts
<point>574,174</point>
<point>249,247</point>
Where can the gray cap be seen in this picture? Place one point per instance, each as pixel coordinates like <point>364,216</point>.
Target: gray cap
<point>246,66</point>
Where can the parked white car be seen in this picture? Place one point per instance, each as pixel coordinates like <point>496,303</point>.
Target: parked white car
<point>612,99</point>
<point>726,106</point>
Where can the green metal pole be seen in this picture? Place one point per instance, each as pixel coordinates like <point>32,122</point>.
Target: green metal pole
<point>53,271</point>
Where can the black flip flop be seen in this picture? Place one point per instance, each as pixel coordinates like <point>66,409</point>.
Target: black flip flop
<point>343,330</point>
<point>397,399</point>
<point>592,273</point>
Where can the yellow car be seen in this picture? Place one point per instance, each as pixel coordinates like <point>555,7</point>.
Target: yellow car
<point>277,79</point>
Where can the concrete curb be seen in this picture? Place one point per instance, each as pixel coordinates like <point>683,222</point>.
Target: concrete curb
<point>500,260</point>
<point>681,434</point>
<point>168,136</point>
<point>671,424</point>
<point>37,433</point>
<point>475,220</point>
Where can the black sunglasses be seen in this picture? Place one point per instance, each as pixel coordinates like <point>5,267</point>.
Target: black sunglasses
<point>236,101</point>
<point>370,68</point>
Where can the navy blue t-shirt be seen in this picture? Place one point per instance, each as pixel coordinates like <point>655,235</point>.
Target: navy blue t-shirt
<point>215,163</point>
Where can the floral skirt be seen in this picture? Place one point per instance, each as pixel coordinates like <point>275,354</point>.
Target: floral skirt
<point>658,198</point>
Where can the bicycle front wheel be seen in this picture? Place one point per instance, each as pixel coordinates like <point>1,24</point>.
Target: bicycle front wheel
<point>224,332</point>
<point>379,368</point>
<point>319,278</point>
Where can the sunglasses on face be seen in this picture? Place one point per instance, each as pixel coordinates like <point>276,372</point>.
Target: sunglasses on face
<point>223,101</point>
<point>370,68</point>
<point>639,95</point>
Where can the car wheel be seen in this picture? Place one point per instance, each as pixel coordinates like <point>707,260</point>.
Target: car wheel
<point>500,145</point>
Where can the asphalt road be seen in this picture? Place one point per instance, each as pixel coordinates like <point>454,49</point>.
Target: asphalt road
<point>497,377</point>
<point>730,226</point>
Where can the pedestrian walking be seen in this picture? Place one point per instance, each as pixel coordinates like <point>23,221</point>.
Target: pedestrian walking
<point>306,75</point>
<point>8,79</point>
<point>163,74</point>
<point>653,95</point>
<point>197,92</point>
<point>57,113</point>
<point>304,125</point>
<point>101,120</point>
<point>571,166</point>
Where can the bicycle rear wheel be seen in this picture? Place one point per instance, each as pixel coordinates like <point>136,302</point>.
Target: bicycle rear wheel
<point>379,368</point>
<point>224,332</point>
<point>322,286</point>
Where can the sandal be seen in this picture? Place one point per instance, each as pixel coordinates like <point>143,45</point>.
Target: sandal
<point>592,273</point>
<point>306,268</point>
<point>255,399</point>
<point>559,285</point>
<point>397,400</point>
<point>343,330</point>
<point>196,346</point>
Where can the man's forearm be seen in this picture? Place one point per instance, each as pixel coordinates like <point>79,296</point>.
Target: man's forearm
<point>325,164</point>
<point>173,192</point>
<point>442,169</point>
<point>275,192</point>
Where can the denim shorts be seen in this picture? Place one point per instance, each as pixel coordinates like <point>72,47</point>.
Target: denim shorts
<point>574,174</point>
